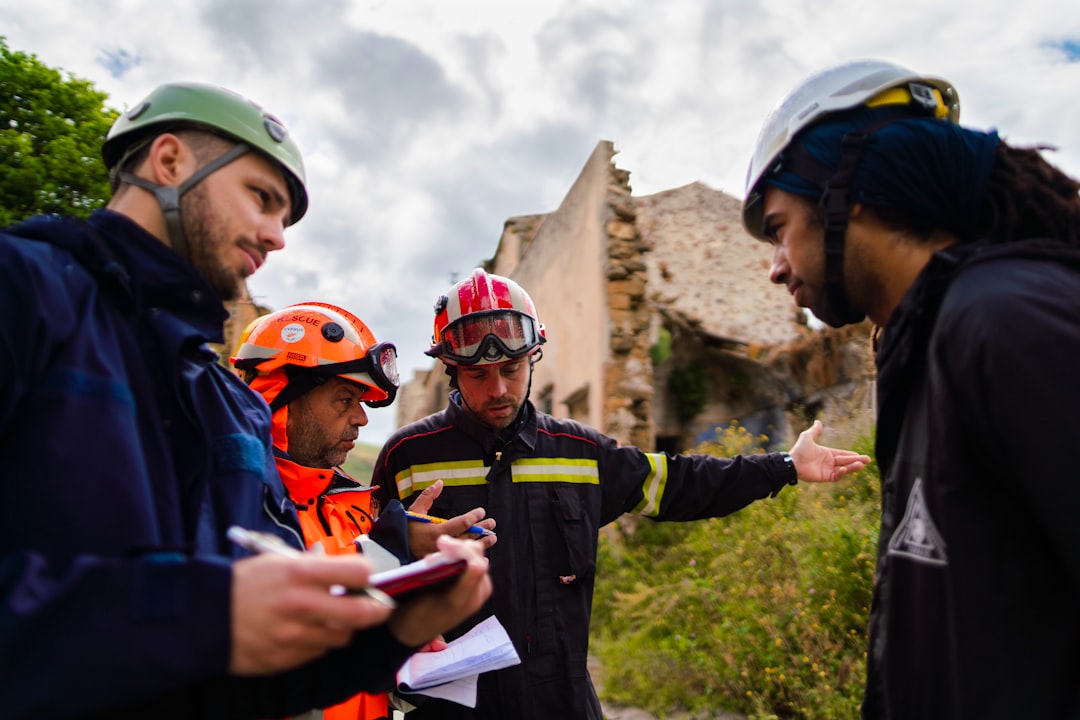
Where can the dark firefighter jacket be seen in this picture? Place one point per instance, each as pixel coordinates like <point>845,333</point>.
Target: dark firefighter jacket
<point>126,451</point>
<point>551,484</point>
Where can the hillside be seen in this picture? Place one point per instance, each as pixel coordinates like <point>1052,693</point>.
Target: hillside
<point>361,461</point>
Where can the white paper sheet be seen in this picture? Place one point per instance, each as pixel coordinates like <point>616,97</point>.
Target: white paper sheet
<point>451,674</point>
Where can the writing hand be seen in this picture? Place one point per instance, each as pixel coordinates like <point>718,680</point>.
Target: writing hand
<point>423,536</point>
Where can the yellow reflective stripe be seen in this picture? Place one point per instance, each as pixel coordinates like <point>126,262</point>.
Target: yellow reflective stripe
<point>582,471</point>
<point>453,474</point>
<point>654,485</point>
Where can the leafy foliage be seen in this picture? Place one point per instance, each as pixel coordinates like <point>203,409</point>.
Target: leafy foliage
<point>51,131</point>
<point>687,386</point>
<point>763,612</point>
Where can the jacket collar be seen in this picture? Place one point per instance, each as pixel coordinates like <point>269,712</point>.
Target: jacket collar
<point>159,277</point>
<point>522,431</point>
<point>307,483</point>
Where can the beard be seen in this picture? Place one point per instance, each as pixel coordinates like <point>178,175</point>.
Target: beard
<point>308,443</point>
<point>206,242</point>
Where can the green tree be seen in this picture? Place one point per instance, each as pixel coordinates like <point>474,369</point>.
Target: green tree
<point>52,126</point>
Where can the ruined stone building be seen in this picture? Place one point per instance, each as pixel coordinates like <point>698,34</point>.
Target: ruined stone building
<point>242,312</point>
<point>662,324</point>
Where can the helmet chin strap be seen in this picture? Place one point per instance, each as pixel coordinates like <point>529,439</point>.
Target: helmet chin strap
<point>168,196</point>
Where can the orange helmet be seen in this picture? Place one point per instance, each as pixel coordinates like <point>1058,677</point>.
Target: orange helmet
<point>312,342</point>
<point>485,320</point>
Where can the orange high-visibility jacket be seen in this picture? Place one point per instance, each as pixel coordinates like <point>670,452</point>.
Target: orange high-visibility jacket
<point>334,510</point>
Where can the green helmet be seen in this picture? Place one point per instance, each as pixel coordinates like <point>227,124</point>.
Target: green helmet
<point>218,110</point>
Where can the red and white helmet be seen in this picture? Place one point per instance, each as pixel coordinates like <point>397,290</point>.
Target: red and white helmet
<point>312,341</point>
<point>485,320</point>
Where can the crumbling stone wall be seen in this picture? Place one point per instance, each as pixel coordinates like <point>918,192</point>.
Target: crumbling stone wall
<point>628,375</point>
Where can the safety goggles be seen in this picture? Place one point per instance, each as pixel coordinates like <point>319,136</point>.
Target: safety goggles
<point>378,367</point>
<point>490,336</point>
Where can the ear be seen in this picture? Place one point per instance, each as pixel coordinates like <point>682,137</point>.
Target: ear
<point>170,160</point>
<point>856,211</point>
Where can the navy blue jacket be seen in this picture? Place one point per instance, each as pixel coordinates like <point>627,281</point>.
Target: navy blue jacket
<point>976,610</point>
<point>552,484</point>
<point>126,451</point>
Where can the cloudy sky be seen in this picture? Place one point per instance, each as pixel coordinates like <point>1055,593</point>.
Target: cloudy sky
<point>425,124</point>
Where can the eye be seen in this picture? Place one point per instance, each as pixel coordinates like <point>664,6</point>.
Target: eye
<point>771,232</point>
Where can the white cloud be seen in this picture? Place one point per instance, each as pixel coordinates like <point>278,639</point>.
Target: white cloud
<point>427,123</point>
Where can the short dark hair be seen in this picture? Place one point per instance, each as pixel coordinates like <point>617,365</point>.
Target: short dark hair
<point>205,144</point>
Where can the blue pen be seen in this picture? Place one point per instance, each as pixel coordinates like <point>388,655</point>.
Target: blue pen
<point>473,529</point>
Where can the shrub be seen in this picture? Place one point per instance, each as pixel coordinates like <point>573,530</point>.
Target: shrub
<point>763,612</point>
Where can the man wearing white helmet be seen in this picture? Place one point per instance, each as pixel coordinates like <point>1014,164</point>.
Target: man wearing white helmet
<point>550,484</point>
<point>127,452</point>
<point>965,253</point>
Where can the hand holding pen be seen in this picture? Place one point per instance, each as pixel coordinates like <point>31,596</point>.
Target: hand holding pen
<point>258,542</point>
<point>431,520</point>
<point>424,530</point>
<point>283,612</point>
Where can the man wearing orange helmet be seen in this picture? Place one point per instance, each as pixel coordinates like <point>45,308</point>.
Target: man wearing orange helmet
<point>119,427</point>
<point>316,365</point>
<point>551,484</point>
<point>965,253</point>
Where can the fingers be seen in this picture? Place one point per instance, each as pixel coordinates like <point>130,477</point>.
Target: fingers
<point>459,526</point>
<point>813,431</point>
<point>849,466</point>
<point>422,538</point>
<point>431,614</point>
<point>422,503</point>
<point>435,645</point>
<point>283,612</point>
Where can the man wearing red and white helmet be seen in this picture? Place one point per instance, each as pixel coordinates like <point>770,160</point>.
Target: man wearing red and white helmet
<point>551,484</point>
<point>487,330</point>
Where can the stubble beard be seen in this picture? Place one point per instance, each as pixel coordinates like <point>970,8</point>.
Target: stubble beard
<point>205,243</point>
<point>307,444</point>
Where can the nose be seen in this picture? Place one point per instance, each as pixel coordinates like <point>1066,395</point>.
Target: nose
<point>498,385</point>
<point>272,235</point>
<point>359,415</point>
<point>779,271</point>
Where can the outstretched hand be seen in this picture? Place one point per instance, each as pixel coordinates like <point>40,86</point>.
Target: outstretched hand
<point>817,463</point>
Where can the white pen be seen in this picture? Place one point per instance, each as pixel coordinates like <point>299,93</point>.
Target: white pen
<point>260,542</point>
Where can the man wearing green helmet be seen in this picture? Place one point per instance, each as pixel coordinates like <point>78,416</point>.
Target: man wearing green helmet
<point>128,452</point>
<point>965,253</point>
<point>205,132</point>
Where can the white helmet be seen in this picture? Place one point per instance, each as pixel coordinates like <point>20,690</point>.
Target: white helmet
<point>861,82</point>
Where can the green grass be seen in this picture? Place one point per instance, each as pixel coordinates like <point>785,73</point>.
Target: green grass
<point>762,613</point>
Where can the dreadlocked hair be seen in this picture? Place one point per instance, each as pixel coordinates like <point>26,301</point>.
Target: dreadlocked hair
<point>1027,197</point>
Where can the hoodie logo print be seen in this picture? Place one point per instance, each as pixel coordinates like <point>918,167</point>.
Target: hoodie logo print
<point>917,537</point>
